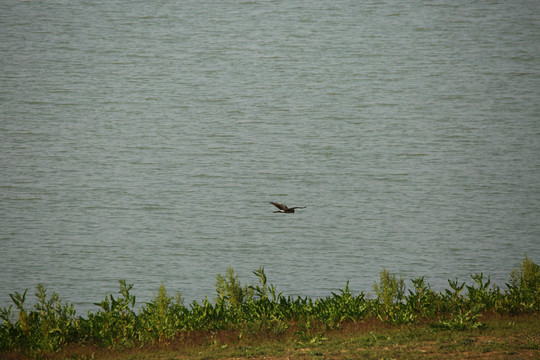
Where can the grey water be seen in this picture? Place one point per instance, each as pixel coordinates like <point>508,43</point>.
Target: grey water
<point>143,140</point>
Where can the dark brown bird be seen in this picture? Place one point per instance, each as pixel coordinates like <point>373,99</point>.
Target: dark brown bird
<point>284,209</point>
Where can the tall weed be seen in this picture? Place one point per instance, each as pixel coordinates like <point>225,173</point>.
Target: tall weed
<point>524,287</point>
<point>51,325</point>
<point>229,291</point>
<point>161,319</point>
<point>116,323</point>
<point>422,301</point>
<point>390,293</point>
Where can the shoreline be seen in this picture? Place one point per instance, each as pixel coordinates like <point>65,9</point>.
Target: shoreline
<point>258,311</point>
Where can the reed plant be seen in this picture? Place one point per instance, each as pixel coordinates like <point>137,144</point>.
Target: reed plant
<point>258,308</point>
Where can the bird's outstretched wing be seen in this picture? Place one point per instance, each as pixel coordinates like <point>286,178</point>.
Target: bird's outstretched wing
<point>279,206</point>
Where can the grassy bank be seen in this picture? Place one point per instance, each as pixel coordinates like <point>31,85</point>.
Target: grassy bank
<point>252,320</point>
<point>502,337</point>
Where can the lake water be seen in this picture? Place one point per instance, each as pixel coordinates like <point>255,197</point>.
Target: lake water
<point>143,140</point>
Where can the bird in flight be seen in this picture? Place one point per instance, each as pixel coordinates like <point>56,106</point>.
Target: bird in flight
<point>284,209</point>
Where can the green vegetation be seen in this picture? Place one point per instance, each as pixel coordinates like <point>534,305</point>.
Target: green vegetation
<point>258,310</point>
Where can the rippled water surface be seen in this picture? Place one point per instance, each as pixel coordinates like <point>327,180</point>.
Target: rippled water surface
<point>143,141</point>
